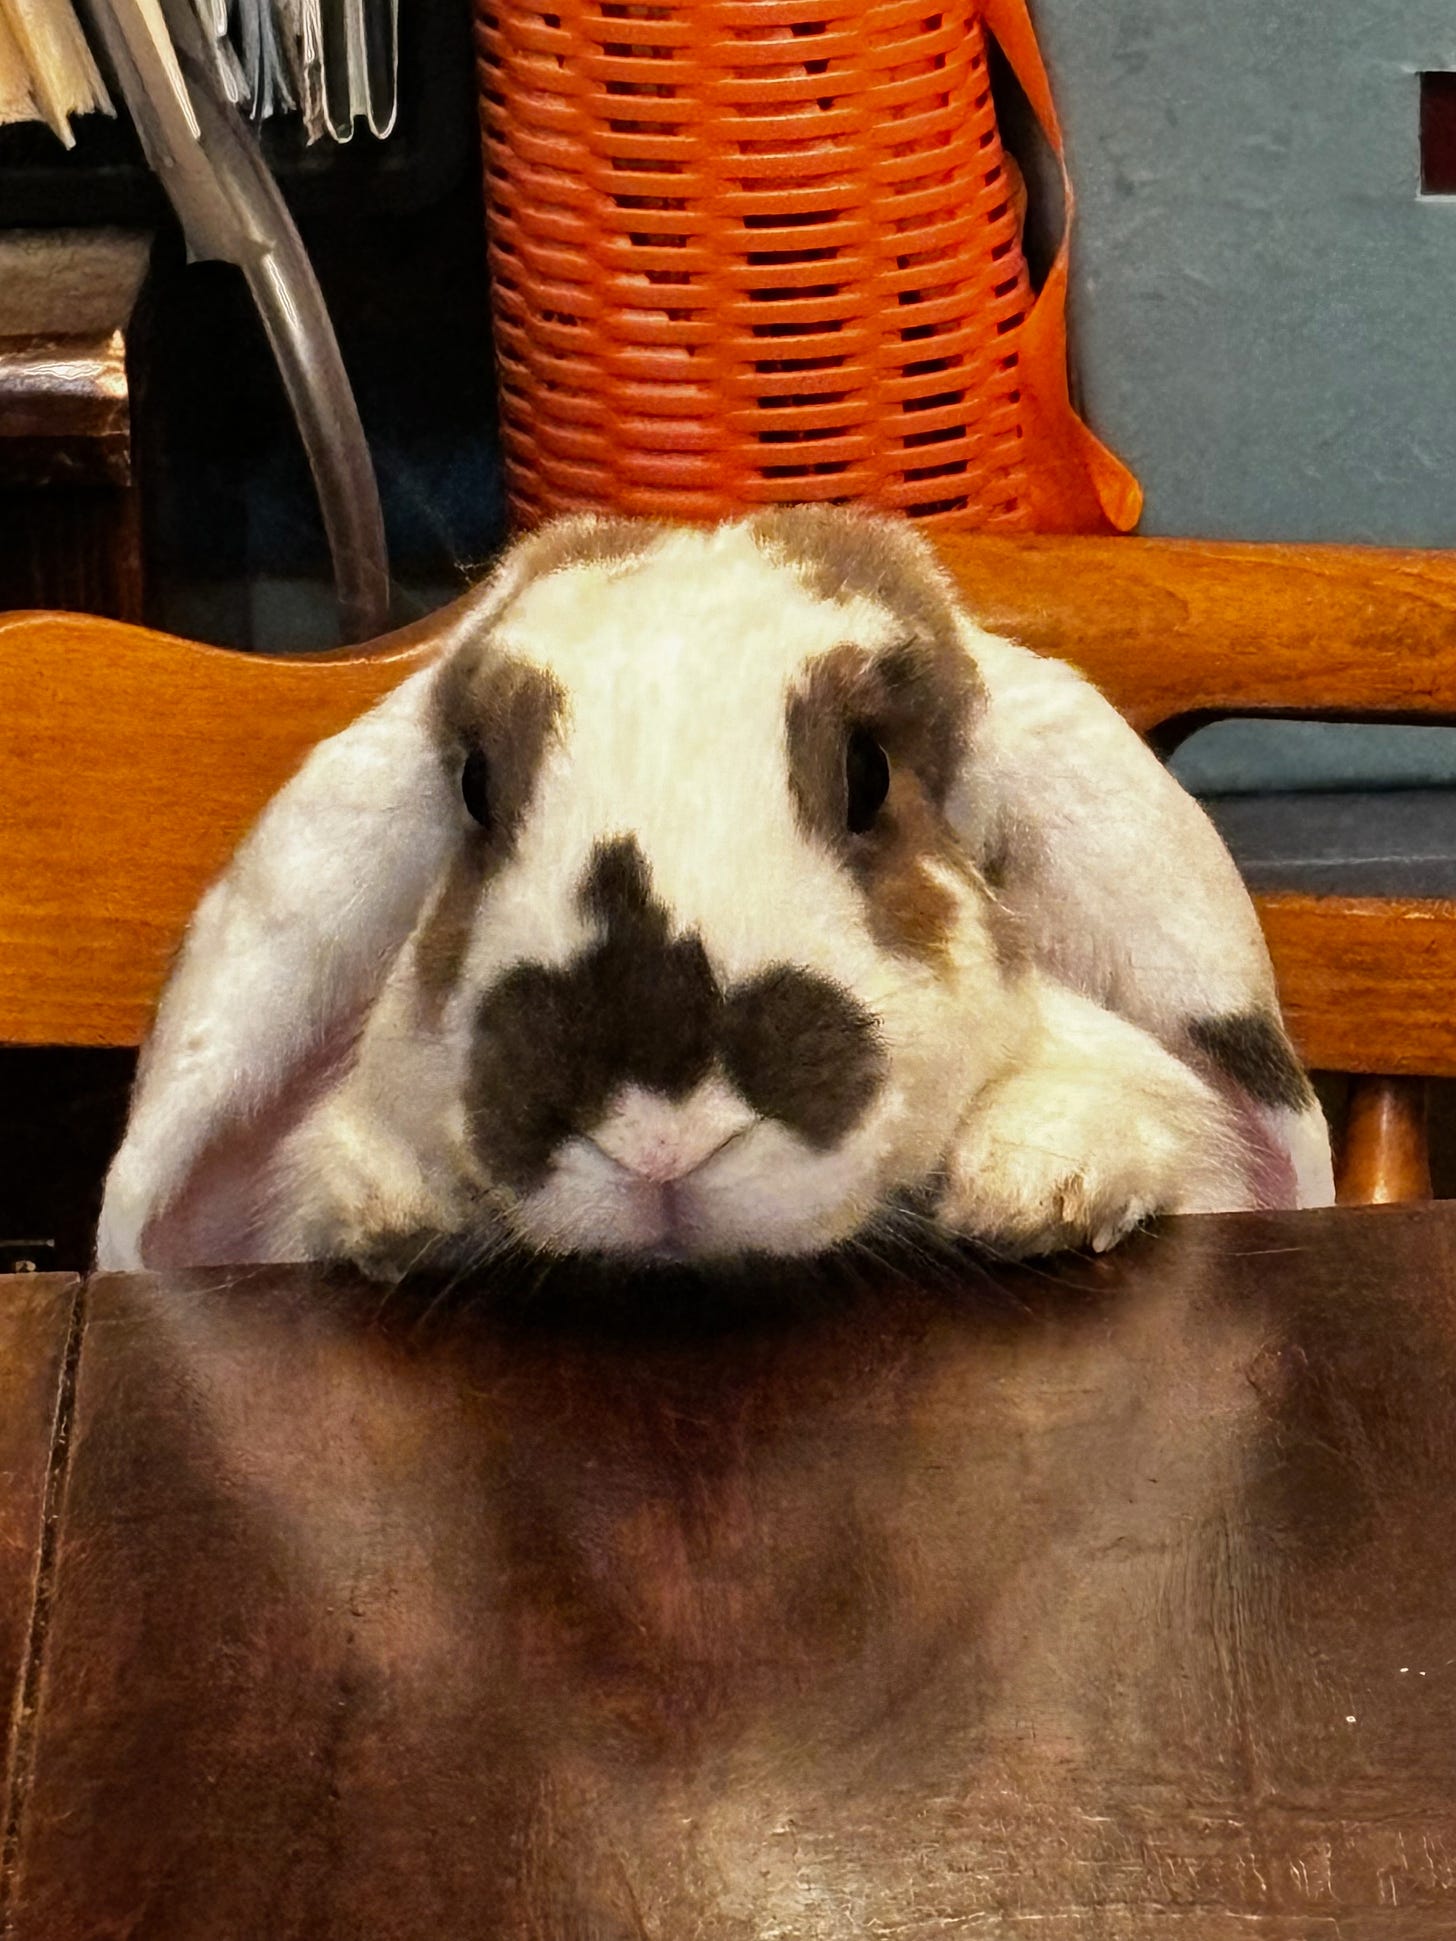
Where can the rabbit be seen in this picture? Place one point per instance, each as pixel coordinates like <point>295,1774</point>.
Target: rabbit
<point>714,892</point>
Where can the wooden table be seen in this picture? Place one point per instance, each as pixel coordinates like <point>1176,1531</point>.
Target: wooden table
<point>1111,1602</point>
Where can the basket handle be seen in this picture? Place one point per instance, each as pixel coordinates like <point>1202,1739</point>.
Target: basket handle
<point>1076,484</point>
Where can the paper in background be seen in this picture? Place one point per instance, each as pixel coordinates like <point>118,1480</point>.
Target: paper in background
<point>333,62</point>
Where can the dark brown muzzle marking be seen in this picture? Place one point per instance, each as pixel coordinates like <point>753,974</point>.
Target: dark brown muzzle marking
<point>643,1007</point>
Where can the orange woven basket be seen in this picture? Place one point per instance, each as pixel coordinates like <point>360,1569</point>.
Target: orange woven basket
<point>753,251</point>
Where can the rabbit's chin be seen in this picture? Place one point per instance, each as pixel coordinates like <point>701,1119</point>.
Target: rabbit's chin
<point>764,1194</point>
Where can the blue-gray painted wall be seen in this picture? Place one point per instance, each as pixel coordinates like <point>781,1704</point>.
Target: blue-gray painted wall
<point>1266,305</point>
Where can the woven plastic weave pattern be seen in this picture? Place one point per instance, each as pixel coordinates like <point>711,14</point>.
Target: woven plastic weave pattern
<point>748,251</point>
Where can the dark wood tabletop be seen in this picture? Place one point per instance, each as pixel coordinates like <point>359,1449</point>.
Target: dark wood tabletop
<point>1096,1602</point>
<point>37,1317</point>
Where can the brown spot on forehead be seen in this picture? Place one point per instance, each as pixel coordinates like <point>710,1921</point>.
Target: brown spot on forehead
<point>503,705</point>
<point>917,701</point>
<point>844,555</point>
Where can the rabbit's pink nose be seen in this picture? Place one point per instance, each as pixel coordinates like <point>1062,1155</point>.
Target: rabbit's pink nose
<point>660,1165</point>
<point>662,1139</point>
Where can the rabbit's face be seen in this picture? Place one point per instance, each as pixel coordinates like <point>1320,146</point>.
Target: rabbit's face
<point>709,972</point>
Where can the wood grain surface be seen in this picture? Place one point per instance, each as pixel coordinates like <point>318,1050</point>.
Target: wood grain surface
<point>1109,1602</point>
<point>36,1313</point>
<point>1186,630</point>
<point>134,762</point>
<point>1368,983</point>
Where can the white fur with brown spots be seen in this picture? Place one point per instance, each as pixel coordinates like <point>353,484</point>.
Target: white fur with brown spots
<point>1075,939</point>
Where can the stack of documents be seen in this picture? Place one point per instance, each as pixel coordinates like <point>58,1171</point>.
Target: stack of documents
<point>46,69</point>
<point>334,62</point>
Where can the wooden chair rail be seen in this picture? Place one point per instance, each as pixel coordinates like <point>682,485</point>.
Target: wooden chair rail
<point>1183,631</point>
<point>133,762</point>
<point>1368,985</point>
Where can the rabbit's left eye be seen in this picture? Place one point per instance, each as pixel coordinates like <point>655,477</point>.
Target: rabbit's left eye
<point>475,786</point>
<point>867,778</point>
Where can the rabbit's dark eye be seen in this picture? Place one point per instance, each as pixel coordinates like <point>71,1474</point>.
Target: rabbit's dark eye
<point>475,786</point>
<point>867,773</point>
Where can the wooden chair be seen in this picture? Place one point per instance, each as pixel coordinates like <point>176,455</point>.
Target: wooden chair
<point>133,762</point>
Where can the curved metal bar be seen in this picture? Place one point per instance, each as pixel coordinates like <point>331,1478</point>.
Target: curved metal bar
<point>231,210</point>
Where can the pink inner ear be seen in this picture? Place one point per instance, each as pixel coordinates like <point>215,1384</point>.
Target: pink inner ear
<point>1268,1166</point>
<point>221,1214</point>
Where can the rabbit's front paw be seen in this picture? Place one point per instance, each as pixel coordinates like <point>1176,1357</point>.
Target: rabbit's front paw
<point>1049,1162</point>
<point>362,1198</point>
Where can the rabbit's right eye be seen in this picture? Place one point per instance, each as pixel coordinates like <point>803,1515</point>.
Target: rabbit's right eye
<point>867,780</point>
<point>475,786</point>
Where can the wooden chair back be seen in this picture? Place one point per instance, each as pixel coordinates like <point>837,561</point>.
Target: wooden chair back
<point>133,762</point>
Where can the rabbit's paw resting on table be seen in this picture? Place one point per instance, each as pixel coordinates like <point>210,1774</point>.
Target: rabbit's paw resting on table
<point>1098,1130</point>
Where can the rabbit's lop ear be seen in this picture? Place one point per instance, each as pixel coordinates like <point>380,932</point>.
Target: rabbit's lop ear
<point>279,965</point>
<point>1119,886</point>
